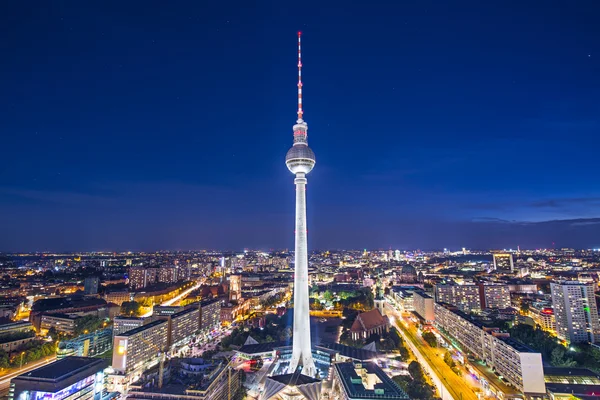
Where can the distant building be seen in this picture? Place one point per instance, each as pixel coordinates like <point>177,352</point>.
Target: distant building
<point>576,312</point>
<point>235,287</point>
<point>118,297</point>
<point>91,285</point>
<point>140,277</point>
<point>465,297</point>
<point>494,295</point>
<point>74,304</point>
<point>362,381</point>
<point>68,378</point>
<point>408,274</point>
<point>167,274</point>
<point>369,323</point>
<point>503,262</point>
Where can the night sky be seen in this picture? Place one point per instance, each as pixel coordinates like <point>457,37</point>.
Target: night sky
<point>164,125</point>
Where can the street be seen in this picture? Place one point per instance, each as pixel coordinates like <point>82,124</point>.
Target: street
<point>449,385</point>
<point>5,379</point>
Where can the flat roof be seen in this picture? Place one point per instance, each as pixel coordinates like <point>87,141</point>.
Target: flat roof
<point>260,348</point>
<point>350,352</point>
<point>294,379</point>
<point>139,329</point>
<point>64,368</point>
<point>389,389</point>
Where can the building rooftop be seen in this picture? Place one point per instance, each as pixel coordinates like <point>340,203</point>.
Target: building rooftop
<point>354,385</point>
<point>293,379</point>
<point>261,347</point>
<point>350,352</point>
<point>62,369</point>
<point>137,330</point>
<point>369,320</point>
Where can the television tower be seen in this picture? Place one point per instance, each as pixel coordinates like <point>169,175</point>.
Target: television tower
<point>300,160</point>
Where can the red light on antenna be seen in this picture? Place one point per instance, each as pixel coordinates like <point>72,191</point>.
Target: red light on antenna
<point>299,33</point>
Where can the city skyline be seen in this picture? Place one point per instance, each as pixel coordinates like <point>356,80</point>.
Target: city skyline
<point>164,130</point>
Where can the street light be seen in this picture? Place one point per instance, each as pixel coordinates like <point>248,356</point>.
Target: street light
<point>22,354</point>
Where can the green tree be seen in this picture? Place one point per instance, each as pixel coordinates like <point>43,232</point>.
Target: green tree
<point>131,308</point>
<point>449,360</point>
<point>558,359</point>
<point>430,338</point>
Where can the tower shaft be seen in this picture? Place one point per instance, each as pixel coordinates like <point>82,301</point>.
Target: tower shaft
<point>301,351</point>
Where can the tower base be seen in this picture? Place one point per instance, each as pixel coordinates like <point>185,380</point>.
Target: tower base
<point>292,387</point>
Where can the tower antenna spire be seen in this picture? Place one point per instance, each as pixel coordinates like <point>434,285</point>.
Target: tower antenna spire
<point>300,111</point>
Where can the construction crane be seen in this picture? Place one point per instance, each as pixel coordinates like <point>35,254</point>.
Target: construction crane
<point>161,365</point>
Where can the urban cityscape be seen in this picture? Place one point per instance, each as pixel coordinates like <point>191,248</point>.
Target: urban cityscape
<point>383,322</point>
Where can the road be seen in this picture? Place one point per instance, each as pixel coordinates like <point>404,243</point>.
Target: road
<point>5,379</point>
<point>177,298</point>
<point>450,385</point>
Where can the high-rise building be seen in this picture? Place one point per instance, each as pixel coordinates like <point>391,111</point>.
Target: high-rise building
<point>494,295</point>
<point>300,160</point>
<point>503,262</point>
<point>136,347</point>
<point>91,284</point>
<point>575,311</point>
<point>465,297</point>
<point>140,277</point>
<point>167,274</point>
<point>69,378</point>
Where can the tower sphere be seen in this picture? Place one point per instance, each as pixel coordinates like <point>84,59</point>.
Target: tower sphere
<point>300,159</point>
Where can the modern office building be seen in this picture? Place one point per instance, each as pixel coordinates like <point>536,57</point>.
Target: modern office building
<point>575,310</point>
<point>300,160</point>
<point>91,285</point>
<point>363,381</point>
<point>493,295</point>
<point>423,305</point>
<point>139,346</point>
<point>210,315</point>
<point>80,378</point>
<point>465,297</point>
<point>124,324</point>
<point>519,365</point>
<point>503,262</point>
<point>64,323</point>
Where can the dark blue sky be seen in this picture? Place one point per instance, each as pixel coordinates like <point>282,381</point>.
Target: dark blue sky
<point>164,125</point>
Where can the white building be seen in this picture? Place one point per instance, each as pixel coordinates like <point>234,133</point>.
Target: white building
<point>423,305</point>
<point>575,311</point>
<point>518,364</point>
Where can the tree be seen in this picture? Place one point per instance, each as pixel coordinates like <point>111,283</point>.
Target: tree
<point>132,308</point>
<point>558,359</point>
<point>328,296</point>
<point>430,338</point>
<point>448,360</point>
<point>415,370</point>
